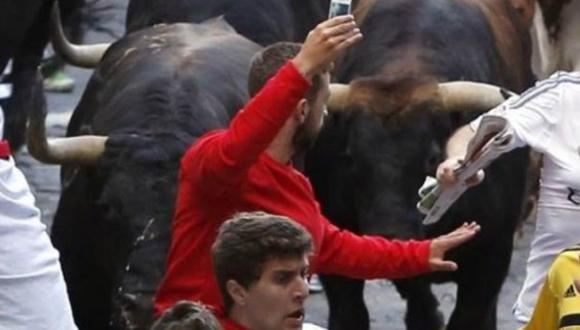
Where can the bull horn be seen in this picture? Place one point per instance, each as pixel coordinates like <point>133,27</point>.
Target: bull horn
<point>339,97</point>
<point>471,96</point>
<point>85,56</point>
<point>84,150</point>
<point>454,96</point>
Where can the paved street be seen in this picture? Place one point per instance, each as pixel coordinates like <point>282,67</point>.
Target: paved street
<point>387,309</point>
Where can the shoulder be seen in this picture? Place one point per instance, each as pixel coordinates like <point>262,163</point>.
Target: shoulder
<point>201,146</point>
<point>565,76</point>
<point>548,92</point>
<point>559,78</point>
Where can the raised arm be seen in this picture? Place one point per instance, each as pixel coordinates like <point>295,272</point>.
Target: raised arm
<point>254,127</point>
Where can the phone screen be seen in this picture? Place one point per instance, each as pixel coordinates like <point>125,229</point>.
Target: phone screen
<point>338,9</point>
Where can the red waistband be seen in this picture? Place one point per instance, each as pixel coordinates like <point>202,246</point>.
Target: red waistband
<point>4,149</point>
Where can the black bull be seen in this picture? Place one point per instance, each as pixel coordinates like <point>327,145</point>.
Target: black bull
<point>155,91</point>
<point>262,21</point>
<point>367,166</point>
<point>112,224</point>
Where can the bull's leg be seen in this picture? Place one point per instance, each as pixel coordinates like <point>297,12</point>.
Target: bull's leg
<point>422,306</point>
<point>478,287</point>
<point>346,305</point>
<point>474,308</point>
<point>88,295</point>
<point>27,94</point>
<point>27,84</point>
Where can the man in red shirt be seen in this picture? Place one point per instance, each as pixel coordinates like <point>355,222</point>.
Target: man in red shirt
<point>247,167</point>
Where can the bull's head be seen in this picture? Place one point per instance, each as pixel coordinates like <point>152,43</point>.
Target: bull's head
<point>383,138</point>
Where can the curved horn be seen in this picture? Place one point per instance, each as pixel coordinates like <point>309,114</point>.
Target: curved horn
<point>455,96</point>
<point>339,95</point>
<point>85,150</point>
<point>471,96</point>
<point>86,56</point>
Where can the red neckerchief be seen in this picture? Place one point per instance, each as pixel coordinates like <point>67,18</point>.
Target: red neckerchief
<point>5,149</point>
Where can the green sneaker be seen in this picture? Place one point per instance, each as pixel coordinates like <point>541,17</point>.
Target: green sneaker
<point>58,82</point>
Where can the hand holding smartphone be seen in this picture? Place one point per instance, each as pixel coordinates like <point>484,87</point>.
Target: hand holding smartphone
<point>339,7</point>
<point>328,40</point>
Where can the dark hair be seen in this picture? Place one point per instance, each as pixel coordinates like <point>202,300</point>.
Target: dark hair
<point>187,315</point>
<point>266,64</point>
<point>248,240</point>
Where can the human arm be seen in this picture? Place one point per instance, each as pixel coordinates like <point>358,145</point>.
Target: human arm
<point>254,127</point>
<point>368,257</point>
<point>456,149</point>
<point>531,119</point>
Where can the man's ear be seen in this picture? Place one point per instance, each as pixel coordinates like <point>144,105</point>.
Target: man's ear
<point>302,109</point>
<point>237,292</point>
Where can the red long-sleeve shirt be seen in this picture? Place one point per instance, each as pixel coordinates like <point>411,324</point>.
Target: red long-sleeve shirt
<point>227,171</point>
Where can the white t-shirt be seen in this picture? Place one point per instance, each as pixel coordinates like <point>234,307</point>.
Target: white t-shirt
<point>547,118</point>
<point>32,289</point>
<point>5,87</point>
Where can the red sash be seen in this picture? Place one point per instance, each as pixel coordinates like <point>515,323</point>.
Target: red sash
<point>4,149</point>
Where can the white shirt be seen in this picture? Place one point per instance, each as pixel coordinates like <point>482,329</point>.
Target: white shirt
<point>5,87</point>
<point>32,289</point>
<point>547,118</point>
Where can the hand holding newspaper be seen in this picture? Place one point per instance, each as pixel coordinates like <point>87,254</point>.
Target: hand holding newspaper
<point>493,138</point>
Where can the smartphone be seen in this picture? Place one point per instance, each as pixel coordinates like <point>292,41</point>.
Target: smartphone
<point>339,7</point>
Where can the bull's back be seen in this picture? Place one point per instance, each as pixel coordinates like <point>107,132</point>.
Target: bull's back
<point>182,71</point>
<point>451,40</point>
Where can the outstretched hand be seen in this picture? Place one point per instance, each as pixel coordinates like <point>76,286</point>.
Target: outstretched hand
<point>325,43</point>
<point>442,244</point>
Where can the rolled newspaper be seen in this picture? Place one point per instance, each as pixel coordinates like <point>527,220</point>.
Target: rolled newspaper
<point>493,138</point>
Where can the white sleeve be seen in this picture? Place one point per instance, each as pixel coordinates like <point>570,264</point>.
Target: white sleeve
<point>532,115</point>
